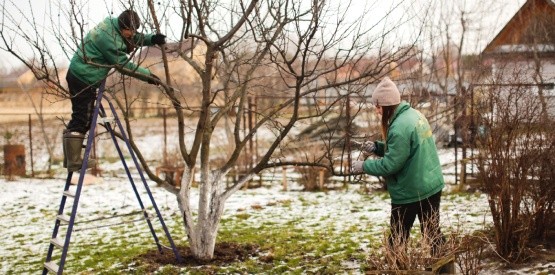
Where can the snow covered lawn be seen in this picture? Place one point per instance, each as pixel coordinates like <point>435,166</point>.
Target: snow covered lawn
<point>29,206</point>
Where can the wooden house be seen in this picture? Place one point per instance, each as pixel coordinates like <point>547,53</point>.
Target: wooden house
<point>526,42</point>
<point>522,54</point>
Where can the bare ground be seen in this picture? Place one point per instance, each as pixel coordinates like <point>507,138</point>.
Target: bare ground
<point>224,253</point>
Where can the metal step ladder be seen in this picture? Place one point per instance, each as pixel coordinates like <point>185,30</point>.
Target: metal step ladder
<point>68,220</point>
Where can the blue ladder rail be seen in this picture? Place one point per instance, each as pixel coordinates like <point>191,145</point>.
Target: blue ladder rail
<point>55,242</point>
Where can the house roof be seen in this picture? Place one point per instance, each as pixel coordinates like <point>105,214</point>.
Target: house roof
<point>532,26</point>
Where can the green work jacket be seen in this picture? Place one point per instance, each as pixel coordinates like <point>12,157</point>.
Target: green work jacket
<point>101,49</point>
<point>409,161</point>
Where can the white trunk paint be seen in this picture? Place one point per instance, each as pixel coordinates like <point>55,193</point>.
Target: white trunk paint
<point>202,233</point>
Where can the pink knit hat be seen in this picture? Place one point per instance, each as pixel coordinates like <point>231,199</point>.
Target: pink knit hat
<point>386,94</point>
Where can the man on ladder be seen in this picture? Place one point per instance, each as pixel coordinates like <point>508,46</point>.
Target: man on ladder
<point>106,46</point>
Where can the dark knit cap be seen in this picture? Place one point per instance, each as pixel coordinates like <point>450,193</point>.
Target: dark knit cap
<point>129,20</point>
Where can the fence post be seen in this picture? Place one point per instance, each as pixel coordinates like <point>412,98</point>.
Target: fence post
<point>348,133</point>
<point>165,155</point>
<point>31,147</point>
<point>284,178</point>
<point>321,179</point>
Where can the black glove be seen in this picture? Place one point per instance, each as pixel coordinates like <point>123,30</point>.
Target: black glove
<point>156,81</point>
<point>158,39</point>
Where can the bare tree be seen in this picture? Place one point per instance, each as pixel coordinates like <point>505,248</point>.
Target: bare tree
<point>454,39</point>
<point>286,53</point>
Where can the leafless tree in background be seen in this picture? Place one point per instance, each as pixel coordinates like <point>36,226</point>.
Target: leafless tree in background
<point>455,37</point>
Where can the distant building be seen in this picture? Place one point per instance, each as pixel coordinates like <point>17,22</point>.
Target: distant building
<point>523,52</point>
<point>528,38</point>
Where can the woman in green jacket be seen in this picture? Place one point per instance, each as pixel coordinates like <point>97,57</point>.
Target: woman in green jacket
<point>410,165</point>
<point>104,48</point>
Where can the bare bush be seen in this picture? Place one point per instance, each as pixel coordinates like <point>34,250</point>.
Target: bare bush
<point>515,165</point>
<point>313,179</point>
<point>469,253</point>
<point>416,255</point>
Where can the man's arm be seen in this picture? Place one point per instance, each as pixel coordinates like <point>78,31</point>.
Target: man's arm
<point>149,39</point>
<point>115,56</point>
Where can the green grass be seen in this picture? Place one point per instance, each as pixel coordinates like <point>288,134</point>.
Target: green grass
<point>293,249</point>
<point>282,248</point>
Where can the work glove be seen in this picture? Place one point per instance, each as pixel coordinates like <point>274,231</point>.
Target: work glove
<point>367,147</point>
<point>158,39</point>
<point>356,167</point>
<point>156,81</point>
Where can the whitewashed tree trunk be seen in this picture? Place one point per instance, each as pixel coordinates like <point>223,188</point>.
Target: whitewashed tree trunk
<point>203,237</point>
<point>202,233</point>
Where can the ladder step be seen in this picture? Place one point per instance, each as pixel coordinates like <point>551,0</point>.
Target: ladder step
<point>102,120</point>
<point>57,242</point>
<point>63,218</point>
<point>166,247</point>
<point>70,194</point>
<point>53,267</point>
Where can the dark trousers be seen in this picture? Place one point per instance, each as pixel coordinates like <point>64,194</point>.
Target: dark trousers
<point>82,104</point>
<point>427,211</point>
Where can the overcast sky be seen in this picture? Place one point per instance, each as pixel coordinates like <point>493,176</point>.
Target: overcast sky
<point>493,16</point>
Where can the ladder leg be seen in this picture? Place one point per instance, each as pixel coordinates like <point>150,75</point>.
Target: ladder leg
<point>138,166</point>
<point>133,185</point>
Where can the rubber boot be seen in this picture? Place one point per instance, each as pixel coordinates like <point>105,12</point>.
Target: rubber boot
<point>73,145</point>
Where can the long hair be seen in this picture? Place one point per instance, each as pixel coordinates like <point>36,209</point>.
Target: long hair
<point>387,113</point>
